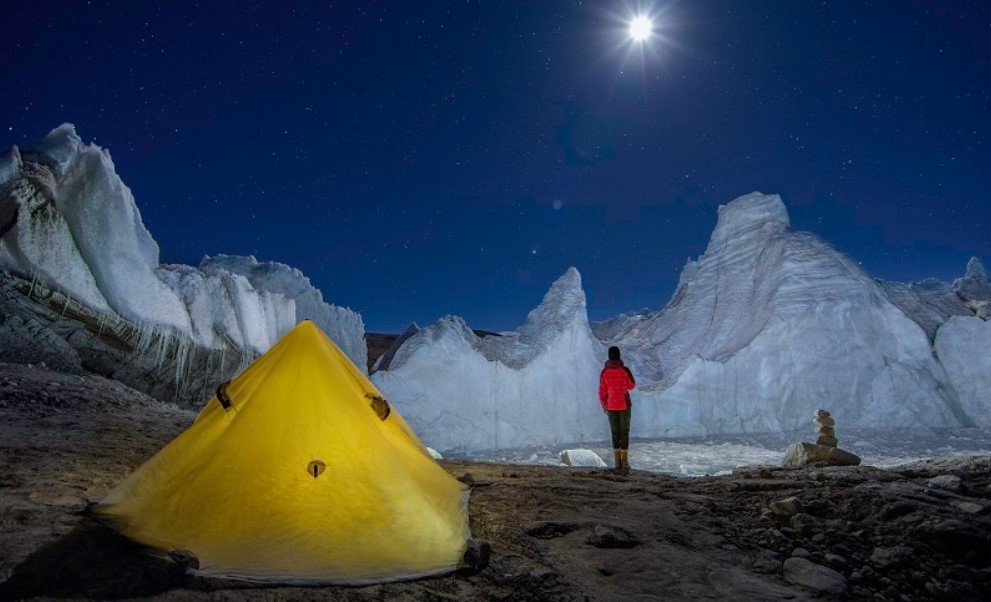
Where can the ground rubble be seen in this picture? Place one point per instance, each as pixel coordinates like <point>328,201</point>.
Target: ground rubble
<point>920,531</point>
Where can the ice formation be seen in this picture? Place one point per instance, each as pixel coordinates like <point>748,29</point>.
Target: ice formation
<point>342,325</point>
<point>463,393</point>
<point>766,326</point>
<point>770,324</point>
<point>963,346</point>
<point>68,224</point>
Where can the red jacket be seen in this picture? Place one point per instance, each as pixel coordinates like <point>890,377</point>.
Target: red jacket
<point>615,383</point>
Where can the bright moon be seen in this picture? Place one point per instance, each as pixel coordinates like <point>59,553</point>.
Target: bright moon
<point>640,28</point>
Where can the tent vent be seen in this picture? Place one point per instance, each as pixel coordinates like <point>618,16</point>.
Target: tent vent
<point>380,405</point>
<point>315,468</point>
<point>223,397</point>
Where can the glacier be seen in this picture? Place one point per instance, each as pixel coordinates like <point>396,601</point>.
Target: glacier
<point>78,263</point>
<point>766,326</point>
<point>464,393</point>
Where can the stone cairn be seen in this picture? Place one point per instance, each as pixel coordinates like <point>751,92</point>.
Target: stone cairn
<point>824,452</point>
<point>824,428</point>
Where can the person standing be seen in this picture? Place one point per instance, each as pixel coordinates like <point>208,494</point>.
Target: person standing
<point>615,383</point>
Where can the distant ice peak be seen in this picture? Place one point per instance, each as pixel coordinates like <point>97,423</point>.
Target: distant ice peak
<point>974,289</point>
<point>976,271</point>
<point>561,310</point>
<point>749,212</point>
<point>561,305</point>
<point>58,149</point>
<point>453,328</point>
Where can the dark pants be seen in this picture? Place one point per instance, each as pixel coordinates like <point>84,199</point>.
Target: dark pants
<point>619,424</point>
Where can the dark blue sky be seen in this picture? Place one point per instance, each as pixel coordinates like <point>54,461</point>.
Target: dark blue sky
<point>416,159</point>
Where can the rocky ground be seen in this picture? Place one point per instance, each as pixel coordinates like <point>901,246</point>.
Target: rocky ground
<point>918,532</point>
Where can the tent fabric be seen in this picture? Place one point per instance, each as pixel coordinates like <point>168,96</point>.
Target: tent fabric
<point>300,480</point>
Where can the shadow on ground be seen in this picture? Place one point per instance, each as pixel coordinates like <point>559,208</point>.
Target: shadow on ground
<point>93,561</point>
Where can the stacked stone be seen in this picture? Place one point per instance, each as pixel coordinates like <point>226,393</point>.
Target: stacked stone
<point>824,428</point>
<point>824,451</point>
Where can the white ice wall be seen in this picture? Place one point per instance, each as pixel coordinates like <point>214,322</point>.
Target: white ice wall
<point>107,230</point>
<point>765,327</point>
<point>535,386</point>
<point>964,349</point>
<point>70,222</point>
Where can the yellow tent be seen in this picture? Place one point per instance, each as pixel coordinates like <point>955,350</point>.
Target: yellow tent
<point>298,471</point>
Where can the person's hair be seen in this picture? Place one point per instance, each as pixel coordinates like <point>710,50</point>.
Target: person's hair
<point>614,353</point>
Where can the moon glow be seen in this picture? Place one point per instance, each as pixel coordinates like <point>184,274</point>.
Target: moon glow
<point>641,28</point>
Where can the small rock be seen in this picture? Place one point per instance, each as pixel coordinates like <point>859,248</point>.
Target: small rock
<point>477,554</point>
<point>805,523</point>
<point>841,550</point>
<point>550,530</point>
<point>802,572</point>
<point>786,507</point>
<point>800,553</point>
<point>970,507</point>
<point>888,558</point>
<point>767,561</point>
<point>817,506</point>
<point>897,509</point>
<point>947,482</point>
<point>837,562</point>
<point>609,536</point>
<point>607,571</point>
<point>953,590</point>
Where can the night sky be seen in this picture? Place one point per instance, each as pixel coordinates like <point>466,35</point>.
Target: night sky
<point>417,159</point>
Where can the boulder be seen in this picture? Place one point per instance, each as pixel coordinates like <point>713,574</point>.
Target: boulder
<point>786,507</point>
<point>946,481</point>
<point>810,454</point>
<point>818,578</point>
<point>581,457</point>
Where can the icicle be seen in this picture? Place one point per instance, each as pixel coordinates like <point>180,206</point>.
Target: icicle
<point>65,306</point>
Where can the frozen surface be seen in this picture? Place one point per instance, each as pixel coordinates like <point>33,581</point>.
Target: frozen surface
<point>700,456</point>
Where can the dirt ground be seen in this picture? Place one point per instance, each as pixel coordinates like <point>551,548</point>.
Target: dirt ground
<point>919,532</point>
